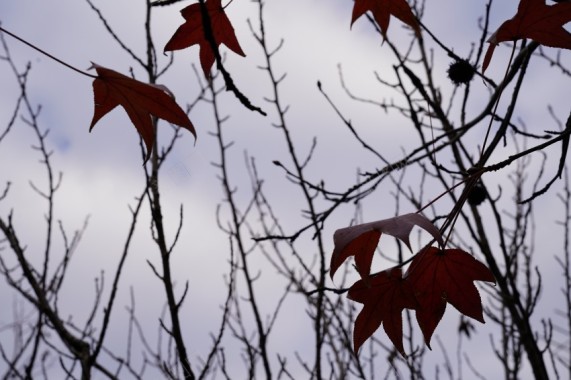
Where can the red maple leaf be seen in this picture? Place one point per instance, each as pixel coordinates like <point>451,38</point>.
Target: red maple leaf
<point>384,296</point>
<point>537,21</point>
<point>445,276</point>
<point>191,32</point>
<point>140,101</point>
<point>382,11</point>
<point>361,240</point>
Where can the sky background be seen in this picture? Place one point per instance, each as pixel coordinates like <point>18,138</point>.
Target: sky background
<point>102,169</point>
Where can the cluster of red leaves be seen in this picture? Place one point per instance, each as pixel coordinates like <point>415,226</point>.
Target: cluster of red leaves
<point>142,100</point>
<point>434,278</point>
<point>534,20</point>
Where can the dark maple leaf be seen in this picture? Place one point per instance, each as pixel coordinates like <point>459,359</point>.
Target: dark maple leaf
<point>446,276</point>
<point>192,33</point>
<point>382,11</point>
<point>140,101</point>
<point>384,296</point>
<point>361,240</point>
<point>537,21</point>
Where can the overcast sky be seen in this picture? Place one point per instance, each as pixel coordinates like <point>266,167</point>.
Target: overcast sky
<point>102,169</point>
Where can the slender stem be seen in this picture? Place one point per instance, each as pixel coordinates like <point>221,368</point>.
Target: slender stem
<point>497,102</point>
<point>230,85</point>
<point>47,54</point>
<point>441,195</point>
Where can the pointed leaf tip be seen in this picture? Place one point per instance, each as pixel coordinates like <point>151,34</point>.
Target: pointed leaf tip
<point>382,11</point>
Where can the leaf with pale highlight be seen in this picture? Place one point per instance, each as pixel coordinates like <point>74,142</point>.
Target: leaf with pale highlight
<point>361,240</point>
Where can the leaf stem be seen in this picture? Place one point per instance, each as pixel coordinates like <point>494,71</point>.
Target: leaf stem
<point>473,177</point>
<point>442,194</point>
<point>46,53</point>
<point>497,101</point>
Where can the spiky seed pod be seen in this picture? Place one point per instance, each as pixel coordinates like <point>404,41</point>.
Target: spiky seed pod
<point>460,72</point>
<point>477,194</point>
